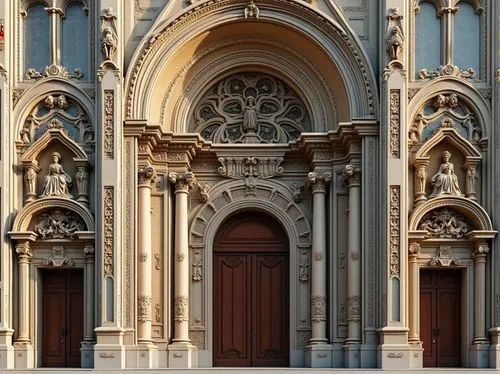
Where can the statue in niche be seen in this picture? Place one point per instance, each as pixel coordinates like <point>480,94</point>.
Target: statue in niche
<point>250,117</point>
<point>395,42</point>
<point>108,43</point>
<point>445,182</point>
<point>57,182</point>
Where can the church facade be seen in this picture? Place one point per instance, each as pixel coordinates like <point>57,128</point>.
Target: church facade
<point>249,183</point>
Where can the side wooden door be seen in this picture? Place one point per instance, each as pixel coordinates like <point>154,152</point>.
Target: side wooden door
<point>440,317</point>
<point>62,325</point>
<point>251,307</point>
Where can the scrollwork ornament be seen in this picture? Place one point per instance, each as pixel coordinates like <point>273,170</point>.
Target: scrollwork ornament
<point>444,223</point>
<point>319,181</point>
<point>182,181</point>
<point>24,252</point>
<point>351,176</point>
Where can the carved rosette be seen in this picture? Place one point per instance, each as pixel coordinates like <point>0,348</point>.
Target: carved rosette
<point>182,181</point>
<point>318,309</point>
<point>319,181</point>
<point>147,176</point>
<point>181,309</point>
<point>24,253</point>
<point>394,235</point>
<point>351,176</point>
<point>144,308</point>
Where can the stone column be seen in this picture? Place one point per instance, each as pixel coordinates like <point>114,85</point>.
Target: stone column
<point>24,349</point>
<point>30,174</point>
<point>352,177</point>
<point>147,176</point>
<point>318,351</point>
<point>480,345</point>
<point>181,352</point>
<point>89,340</point>
<point>414,291</point>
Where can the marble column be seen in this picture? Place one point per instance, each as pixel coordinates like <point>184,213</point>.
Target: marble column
<point>144,293</point>
<point>318,351</point>
<point>89,340</point>
<point>181,352</point>
<point>24,349</point>
<point>352,177</point>
<point>414,291</point>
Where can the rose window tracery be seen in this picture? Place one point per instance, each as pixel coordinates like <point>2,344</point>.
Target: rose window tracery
<point>250,108</point>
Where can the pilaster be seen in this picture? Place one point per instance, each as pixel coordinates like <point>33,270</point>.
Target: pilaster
<point>393,349</point>
<point>109,351</point>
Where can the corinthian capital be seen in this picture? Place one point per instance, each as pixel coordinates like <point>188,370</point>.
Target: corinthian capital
<point>318,181</point>
<point>182,181</point>
<point>352,176</point>
<point>147,175</point>
<point>24,252</point>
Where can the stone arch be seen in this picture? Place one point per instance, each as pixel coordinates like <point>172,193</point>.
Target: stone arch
<point>470,209</point>
<point>30,211</point>
<point>228,198</point>
<point>333,39</point>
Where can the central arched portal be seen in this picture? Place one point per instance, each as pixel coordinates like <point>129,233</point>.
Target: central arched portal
<point>251,292</point>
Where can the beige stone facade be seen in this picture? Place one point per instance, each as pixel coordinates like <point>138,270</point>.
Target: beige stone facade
<point>133,132</point>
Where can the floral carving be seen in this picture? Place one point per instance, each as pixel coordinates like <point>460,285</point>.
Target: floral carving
<point>354,305</point>
<point>108,230</point>
<point>251,108</point>
<point>318,309</point>
<point>395,97</point>
<point>181,309</point>
<point>109,103</point>
<point>144,308</point>
<point>394,234</point>
<point>59,224</point>
<point>444,223</point>
<point>450,70</point>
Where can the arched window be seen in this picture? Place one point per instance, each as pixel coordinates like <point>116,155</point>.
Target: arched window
<point>427,38</point>
<point>36,38</point>
<point>467,37</point>
<point>75,38</point>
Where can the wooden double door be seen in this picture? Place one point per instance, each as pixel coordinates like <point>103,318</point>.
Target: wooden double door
<point>440,317</point>
<point>251,293</point>
<point>62,325</point>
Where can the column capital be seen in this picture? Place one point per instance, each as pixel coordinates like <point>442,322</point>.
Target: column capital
<point>24,252</point>
<point>414,249</point>
<point>319,181</point>
<point>147,176</point>
<point>182,181</point>
<point>89,251</point>
<point>351,176</point>
<point>480,252</point>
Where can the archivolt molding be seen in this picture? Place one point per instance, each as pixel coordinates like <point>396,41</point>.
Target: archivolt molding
<point>30,211</point>
<point>343,46</point>
<point>474,212</point>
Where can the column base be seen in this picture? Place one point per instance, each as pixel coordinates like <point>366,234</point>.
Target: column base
<point>318,355</point>
<point>416,355</point>
<point>182,355</point>
<point>109,352</point>
<point>393,351</point>
<point>87,354</point>
<point>368,351</point>
<point>147,356</point>
<point>495,348</point>
<point>479,355</point>
<point>352,355</point>
<point>24,356</point>
<point>6,349</point>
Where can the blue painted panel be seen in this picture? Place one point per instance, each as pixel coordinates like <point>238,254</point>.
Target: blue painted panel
<point>467,37</point>
<point>427,38</point>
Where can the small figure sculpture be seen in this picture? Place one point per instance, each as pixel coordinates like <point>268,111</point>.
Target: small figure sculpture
<point>57,182</point>
<point>108,43</point>
<point>417,128</point>
<point>250,117</point>
<point>251,10</point>
<point>49,101</point>
<point>62,103</point>
<point>395,42</point>
<point>445,181</point>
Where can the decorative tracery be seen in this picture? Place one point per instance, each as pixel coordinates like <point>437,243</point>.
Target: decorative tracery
<point>250,108</point>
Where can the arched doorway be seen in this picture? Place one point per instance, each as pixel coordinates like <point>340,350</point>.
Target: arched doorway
<point>251,292</point>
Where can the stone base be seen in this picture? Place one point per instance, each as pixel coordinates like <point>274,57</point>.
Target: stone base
<point>182,355</point>
<point>24,356</point>
<point>6,349</point>
<point>479,355</point>
<point>87,354</point>
<point>368,354</point>
<point>318,355</point>
<point>109,352</point>
<point>147,356</point>
<point>352,355</point>
<point>416,355</point>
<point>393,351</point>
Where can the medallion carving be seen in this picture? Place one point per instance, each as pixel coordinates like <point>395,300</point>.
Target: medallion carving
<point>59,224</point>
<point>251,108</point>
<point>59,258</point>
<point>444,223</point>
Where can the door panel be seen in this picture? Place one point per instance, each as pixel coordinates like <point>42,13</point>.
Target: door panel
<point>440,317</point>
<point>62,330</point>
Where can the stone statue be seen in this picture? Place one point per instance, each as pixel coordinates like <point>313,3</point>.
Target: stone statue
<point>445,181</point>
<point>395,42</point>
<point>250,117</point>
<point>251,10</point>
<point>57,182</point>
<point>108,43</point>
